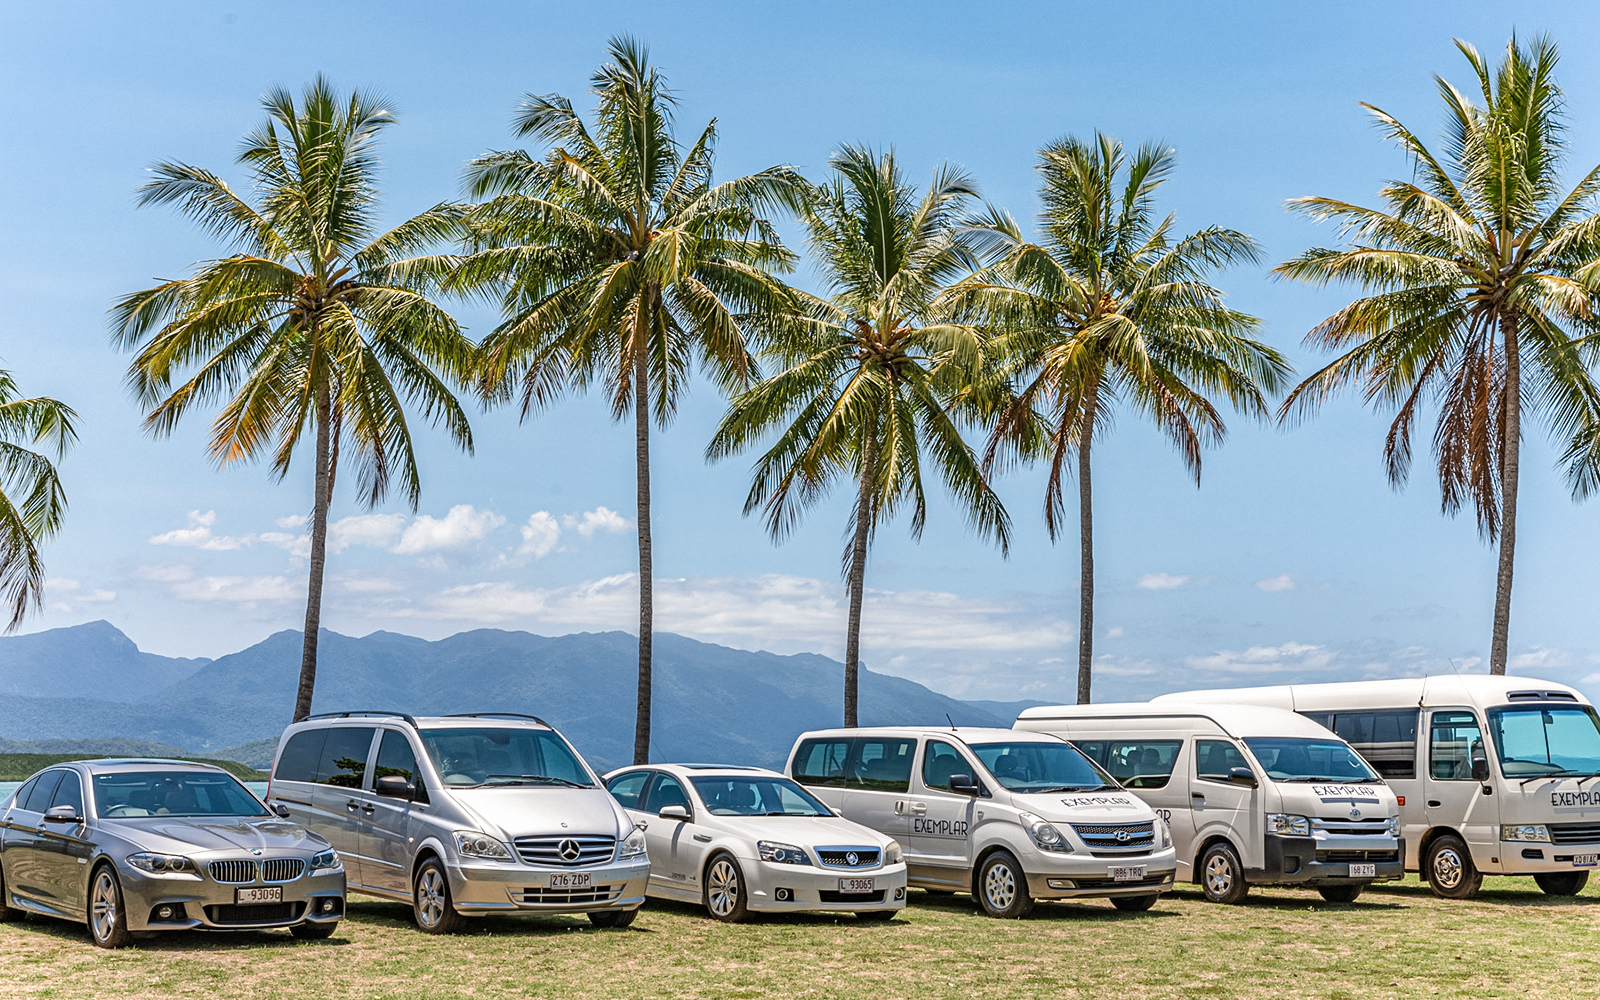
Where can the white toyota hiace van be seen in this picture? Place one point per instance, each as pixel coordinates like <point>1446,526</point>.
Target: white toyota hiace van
<point>1494,775</point>
<point>1005,815</point>
<point>1254,796</point>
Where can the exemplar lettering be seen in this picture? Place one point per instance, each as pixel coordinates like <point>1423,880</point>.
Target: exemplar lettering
<point>1098,800</point>
<point>1586,797</point>
<point>1355,793</point>
<point>939,827</point>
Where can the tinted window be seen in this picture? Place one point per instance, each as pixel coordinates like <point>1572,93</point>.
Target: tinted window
<point>344,757</point>
<point>822,762</point>
<point>1387,739</point>
<point>666,791</point>
<point>22,793</point>
<point>1215,758</point>
<point>625,788</point>
<point>757,797</point>
<point>300,757</point>
<point>882,765</point>
<point>503,756</point>
<point>1456,740</point>
<point>939,762</point>
<point>69,793</point>
<point>1037,766</point>
<point>1293,759</point>
<point>1141,763</point>
<point>39,798</point>
<point>130,795</point>
<point>396,759</point>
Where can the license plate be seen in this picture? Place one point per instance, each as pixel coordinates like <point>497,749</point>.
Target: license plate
<point>1131,873</point>
<point>1585,860</point>
<point>570,880</point>
<point>858,884</point>
<point>248,897</point>
<point>1363,871</point>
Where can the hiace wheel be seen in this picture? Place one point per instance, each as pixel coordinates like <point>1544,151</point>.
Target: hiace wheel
<point>1562,883</point>
<point>1448,865</point>
<point>1221,874</point>
<point>108,922</point>
<point>431,905</point>
<point>1341,893</point>
<point>724,889</point>
<point>1003,887</point>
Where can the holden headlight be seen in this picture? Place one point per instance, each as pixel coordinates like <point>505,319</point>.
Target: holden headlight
<point>632,845</point>
<point>891,854</point>
<point>1532,833</point>
<point>1045,837</point>
<point>1394,826</point>
<point>325,860</point>
<point>471,844</point>
<point>783,854</point>
<point>162,864</point>
<point>1291,826</point>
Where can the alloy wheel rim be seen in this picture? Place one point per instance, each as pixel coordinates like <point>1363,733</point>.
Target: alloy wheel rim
<point>104,906</point>
<point>430,900</point>
<point>1447,868</point>
<point>723,888</point>
<point>999,885</point>
<point>1219,875</point>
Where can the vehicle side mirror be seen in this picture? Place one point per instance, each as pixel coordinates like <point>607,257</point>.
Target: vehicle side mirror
<point>61,814</point>
<point>674,812</point>
<point>1480,769</point>
<point>392,786</point>
<point>962,784</point>
<point>1241,776</point>
<point>280,810</point>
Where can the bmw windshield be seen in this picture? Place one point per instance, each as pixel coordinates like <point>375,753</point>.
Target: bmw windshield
<point>134,794</point>
<point>1536,740</point>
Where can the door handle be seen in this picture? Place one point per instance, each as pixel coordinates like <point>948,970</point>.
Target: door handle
<point>1433,803</point>
<point>702,838</point>
<point>642,824</point>
<point>351,805</point>
<point>369,808</point>
<point>900,807</point>
<point>919,808</point>
<point>1197,795</point>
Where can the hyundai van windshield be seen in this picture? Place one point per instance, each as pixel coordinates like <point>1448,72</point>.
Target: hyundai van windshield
<point>1299,759</point>
<point>1040,767</point>
<point>468,758</point>
<point>1535,740</point>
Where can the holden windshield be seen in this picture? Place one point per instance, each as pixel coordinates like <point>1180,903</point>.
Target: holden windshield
<point>757,797</point>
<point>1041,767</point>
<point>1536,740</point>
<point>134,794</point>
<point>504,756</point>
<point>1293,759</point>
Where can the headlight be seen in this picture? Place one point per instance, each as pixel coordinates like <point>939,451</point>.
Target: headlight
<point>1045,836</point>
<point>162,864</point>
<point>1293,826</point>
<point>891,854</point>
<point>1163,834</point>
<point>1394,826</point>
<point>325,860</point>
<point>1535,834</point>
<point>471,844</point>
<point>632,845</point>
<point>783,854</point>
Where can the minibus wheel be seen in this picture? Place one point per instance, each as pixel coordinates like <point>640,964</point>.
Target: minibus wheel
<point>1003,887</point>
<point>1341,893</point>
<point>1562,883</point>
<point>1133,904</point>
<point>1221,874</point>
<point>1448,865</point>
<point>431,904</point>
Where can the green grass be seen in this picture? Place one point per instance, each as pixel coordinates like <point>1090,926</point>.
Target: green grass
<point>18,766</point>
<point>1394,942</point>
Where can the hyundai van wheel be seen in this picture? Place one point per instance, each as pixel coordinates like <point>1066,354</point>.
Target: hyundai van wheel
<point>724,890</point>
<point>1003,887</point>
<point>1562,883</point>
<point>1449,868</point>
<point>1222,876</point>
<point>1341,893</point>
<point>431,905</point>
<point>108,922</point>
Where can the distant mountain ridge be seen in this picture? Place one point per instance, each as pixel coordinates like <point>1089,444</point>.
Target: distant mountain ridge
<point>712,702</point>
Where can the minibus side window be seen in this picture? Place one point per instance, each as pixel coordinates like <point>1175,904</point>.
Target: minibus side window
<point>1095,750</point>
<point>821,762</point>
<point>882,765</point>
<point>1387,739</point>
<point>1455,739</point>
<point>1215,758</point>
<point>1143,763</point>
<point>939,762</point>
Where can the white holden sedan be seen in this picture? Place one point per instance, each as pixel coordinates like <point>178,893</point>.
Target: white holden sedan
<point>744,839</point>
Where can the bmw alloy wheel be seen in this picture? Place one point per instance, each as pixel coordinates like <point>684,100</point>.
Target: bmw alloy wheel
<point>722,888</point>
<point>103,905</point>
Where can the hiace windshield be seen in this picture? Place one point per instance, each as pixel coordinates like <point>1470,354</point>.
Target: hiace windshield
<point>133,794</point>
<point>471,757</point>
<point>1291,759</point>
<point>1536,740</point>
<point>1041,767</point>
<point>757,797</point>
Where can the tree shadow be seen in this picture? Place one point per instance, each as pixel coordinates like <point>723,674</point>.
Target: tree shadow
<point>69,932</point>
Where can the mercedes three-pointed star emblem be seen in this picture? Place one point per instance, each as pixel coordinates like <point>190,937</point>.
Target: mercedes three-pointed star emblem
<point>569,849</point>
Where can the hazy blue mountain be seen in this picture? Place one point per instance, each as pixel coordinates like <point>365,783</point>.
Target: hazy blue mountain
<point>114,747</point>
<point>1007,711</point>
<point>95,658</point>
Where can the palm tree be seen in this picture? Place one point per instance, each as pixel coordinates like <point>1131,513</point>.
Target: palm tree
<point>1481,270</point>
<point>619,262</point>
<point>317,323</point>
<point>32,502</point>
<point>869,374</point>
<point>1109,307</point>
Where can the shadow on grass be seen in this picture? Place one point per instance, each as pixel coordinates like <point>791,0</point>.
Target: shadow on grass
<point>1516,896</point>
<point>72,932</point>
<point>1044,909</point>
<point>382,913</point>
<point>791,919</point>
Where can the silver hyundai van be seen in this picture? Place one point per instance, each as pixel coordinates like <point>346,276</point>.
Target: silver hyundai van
<point>462,815</point>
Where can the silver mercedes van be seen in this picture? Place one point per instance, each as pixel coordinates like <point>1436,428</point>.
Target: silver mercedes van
<point>462,815</point>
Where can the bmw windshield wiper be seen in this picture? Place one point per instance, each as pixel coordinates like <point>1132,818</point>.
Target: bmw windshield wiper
<point>517,779</point>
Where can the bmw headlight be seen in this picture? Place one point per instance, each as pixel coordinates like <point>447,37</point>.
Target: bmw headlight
<point>632,845</point>
<point>325,860</point>
<point>1531,833</point>
<point>471,844</point>
<point>783,854</point>
<point>892,854</point>
<point>162,864</point>
<point>1045,837</point>
<point>1394,827</point>
<point>1289,826</point>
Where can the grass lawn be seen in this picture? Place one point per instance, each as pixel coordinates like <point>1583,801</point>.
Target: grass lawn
<point>1397,941</point>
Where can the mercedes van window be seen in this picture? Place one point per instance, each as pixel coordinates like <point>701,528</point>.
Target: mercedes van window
<point>503,756</point>
<point>1538,740</point>
<point>1289,759</point>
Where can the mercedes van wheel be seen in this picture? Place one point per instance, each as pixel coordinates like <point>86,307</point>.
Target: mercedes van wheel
<point>1341,893</point>
<point>1221,874</point>
<point>1002,887</point>
<point>431,905</point>
<point>1448,865</point>
<point>309,931</point>
<point>108,921</point>
<point>1562,883</point>
<point>724,890</point>
<point>613,918</point>
<point>1134,904</point>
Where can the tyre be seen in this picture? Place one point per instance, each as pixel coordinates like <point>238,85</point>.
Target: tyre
<point>1133,904</point>
<point>1340,893</point>
<point>108,921</point>
<point>876,916</point>
<point>1449,868</point>
<point>431,906</point>
<point>725,895</point>
<point>613,918</point>
<point>8,912</point>
<point>1002,887</point>
<point>1221,874</point>
<point>1562,883</point>
<point>314,932</point>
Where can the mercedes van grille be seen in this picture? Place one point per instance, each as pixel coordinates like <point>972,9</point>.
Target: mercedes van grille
<point>233,871</point>
<point>1574,833</point>
<point>839,857</point>
<point>1121,838</point>
<point>281,869</point>
<point>566,852</point>
<point>1357,857</point>
<point>555,897</point>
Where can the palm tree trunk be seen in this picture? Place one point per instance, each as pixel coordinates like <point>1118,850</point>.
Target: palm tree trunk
<point>1508,489</point>
<point>858,578</point>
<point>641,433</point>
<point>1085,550</point>
<point>319,558</point>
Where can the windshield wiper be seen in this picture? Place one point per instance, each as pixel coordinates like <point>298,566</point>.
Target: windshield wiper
<point>1565,772</point>
<point>508,779</point>
<point>1063,788</point>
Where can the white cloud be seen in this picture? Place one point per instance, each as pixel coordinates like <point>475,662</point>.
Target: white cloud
<point>540,535</point>
<point>1160,581</point>
<point>298,546</point>
<point>370,585</point>
<point>1114,633</point>
<point>73,590</point>
<point>1540,657</point>
<point>600,519</point>
<point>1289,657</point>
<point>292,521</point>
<point>376,530</point>
<point>1272,583</point>
<point>462,525</point>
<point>165,572</point>
<point>198,534</point>
<point>239,589</point>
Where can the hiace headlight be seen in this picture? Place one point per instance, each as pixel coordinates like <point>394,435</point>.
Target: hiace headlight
<point>162,864</point>
<point>783,854</point>
<point>1289,826</point>
<point>471,844</point>
<point>1530,833</point>
<point>891,854</point>
<point>632,845</point>
<point>325,860</point>
<point>1394,826</point>
<point>1045,837</point>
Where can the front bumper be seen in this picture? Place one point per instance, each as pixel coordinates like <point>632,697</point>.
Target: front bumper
<point>1327,860</point>
<point>202,904</point>
<point>1530,858</point>
<point>1084,876</point>
<point>479,888</point>
<point>806,887</point>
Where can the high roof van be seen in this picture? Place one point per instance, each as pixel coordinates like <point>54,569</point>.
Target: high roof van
<point>1254,796</point>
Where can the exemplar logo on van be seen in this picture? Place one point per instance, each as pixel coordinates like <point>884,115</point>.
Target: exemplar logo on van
<point>1586,797</point>
<point>1098,800</point>
<point>1351,793</point>
<point>939,827</point>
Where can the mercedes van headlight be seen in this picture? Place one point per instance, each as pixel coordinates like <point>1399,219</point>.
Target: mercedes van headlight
<point>891,854</point>
<point>1045,837</point>
<point>162,864</point>
<point>1289,826</point>
<point>783,854</point>
<point>1531,833</point>
<point>632,845</point>
<point>471,844</point>
<point>324,860</point>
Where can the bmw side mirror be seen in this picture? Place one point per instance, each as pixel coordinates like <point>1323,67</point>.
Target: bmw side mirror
<point>392,786</point>
<point>61,814</point>
<point>674,812</point>
<point>1241,776</point>
<point>962,784</point>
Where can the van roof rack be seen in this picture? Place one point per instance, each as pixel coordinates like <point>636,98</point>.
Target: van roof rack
<point>360,712</point>
<point>499,715</point>
<point>1540,696</point>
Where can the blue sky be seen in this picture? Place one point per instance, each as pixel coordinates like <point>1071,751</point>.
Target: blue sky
<point>1295,560</point>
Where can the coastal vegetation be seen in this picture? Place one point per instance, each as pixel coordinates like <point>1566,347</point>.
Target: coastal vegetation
<point>32,502</point>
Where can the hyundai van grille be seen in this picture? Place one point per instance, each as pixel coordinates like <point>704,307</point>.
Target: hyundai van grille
<point>233,871</point>
<point>281,869</point>
<point>839,857</point>
<point>566,852</point>
<point>1357,857</point>
<point>1117,838</point>
<point>1151,882</point>
<point>535,895</point>
<point>1574,833</point>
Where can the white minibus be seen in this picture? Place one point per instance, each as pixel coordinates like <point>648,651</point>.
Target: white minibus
<point>1523,801</point>
<point>1253,795</point>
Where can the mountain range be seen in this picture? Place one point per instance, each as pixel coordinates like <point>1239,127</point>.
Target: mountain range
<point>711,703</point>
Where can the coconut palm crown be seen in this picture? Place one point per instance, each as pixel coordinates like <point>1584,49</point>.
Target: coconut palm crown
<point>32,502</point>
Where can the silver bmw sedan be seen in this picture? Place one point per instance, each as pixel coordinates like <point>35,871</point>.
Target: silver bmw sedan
<point>159,845</point>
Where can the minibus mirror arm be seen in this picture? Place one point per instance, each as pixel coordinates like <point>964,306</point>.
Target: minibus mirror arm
<point>1242,776</point>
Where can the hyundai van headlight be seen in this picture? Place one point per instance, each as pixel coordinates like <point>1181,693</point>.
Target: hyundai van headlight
<point>632,845</point>
<point>1045,837</point>
<point>1163,834</point>
<point>472,844</point>
<point>783,854</point>
<point>1289,826</point>
<point>1532,833</point>
<point>162,864</point>
<point>324,860</point>
<point>892,854</point>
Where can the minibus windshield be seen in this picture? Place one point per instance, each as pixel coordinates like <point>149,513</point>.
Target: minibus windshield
<point>1041,767</point>
<point>504,757</point>
<point>1294,759</point>
<point>1535,740</point>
